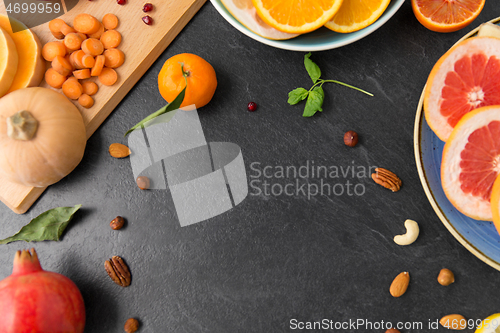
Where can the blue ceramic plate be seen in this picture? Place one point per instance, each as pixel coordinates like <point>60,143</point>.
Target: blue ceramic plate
<point>319,40</point>
<point>479,237</point>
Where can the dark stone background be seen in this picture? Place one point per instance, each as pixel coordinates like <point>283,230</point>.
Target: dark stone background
<point>271,259</point>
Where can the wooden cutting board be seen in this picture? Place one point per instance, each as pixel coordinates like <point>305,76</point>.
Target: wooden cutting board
<point>142,45</point>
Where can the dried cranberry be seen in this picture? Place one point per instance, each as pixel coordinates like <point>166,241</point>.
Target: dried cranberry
<point>147,7</point>
<point>121,2</point>
<point>252,106</point>
<point>147,19</point>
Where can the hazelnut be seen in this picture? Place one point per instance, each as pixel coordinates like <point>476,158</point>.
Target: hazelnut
<point>446,277</point>
<point>131,325</point>
<point>351,138</point>
<point>143,182</point>
<point>392,330</point>
<point>117,223</point>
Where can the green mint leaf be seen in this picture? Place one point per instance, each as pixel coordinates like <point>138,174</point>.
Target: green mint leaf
<point>46,226</point>
<point>312,68</point>
<point>314,102</point>
<point>174,105</point>
<point>297,95</point>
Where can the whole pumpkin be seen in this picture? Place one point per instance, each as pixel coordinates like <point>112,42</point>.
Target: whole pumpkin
<point>42,136</point>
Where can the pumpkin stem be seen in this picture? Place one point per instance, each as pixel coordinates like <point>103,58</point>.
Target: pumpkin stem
<point>22,126</point>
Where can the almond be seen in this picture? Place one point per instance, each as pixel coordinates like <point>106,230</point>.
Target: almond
<point>400,284</point>
<point>454,322</point>
<point>118,150</point>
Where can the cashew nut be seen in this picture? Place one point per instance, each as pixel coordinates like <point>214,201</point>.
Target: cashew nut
<point>411,235</point>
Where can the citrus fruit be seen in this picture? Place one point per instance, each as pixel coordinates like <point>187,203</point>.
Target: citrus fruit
<point>446,15</point>
<point>244,11</point>
<point>296,16</point>
<point>355,15</point>
<point>193,70</point>
<point>471,162</point>
<point>490,325</point>
<point>464,78</point>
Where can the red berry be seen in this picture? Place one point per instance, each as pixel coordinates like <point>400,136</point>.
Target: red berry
<point>121,2</point>
<point>147,7</point>
<point>147,19</point>
<point>252,106</point>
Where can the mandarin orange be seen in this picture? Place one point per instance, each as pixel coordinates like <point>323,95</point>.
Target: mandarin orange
<point>190,69</point>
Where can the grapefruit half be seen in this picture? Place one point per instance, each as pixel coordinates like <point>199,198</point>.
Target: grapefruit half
<point>471,162</point>
<point>465,78</point>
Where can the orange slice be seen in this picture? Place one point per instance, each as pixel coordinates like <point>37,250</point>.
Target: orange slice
<point>31,66</point>
<point>471,162</point>
<point>296,16</point>
<point>446,15</point>
<point>355,15</point>
<point>244,11</point>
<point>464,78</point>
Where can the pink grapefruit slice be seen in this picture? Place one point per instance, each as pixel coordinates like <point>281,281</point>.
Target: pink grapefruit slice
<point>465,78</point>
<point>471,162</point>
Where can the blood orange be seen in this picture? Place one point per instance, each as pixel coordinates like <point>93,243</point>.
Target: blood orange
<point>464,78</point>
<point>446,15</point>
<point>471,162</point>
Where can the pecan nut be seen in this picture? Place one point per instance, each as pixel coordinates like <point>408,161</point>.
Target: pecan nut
<point>387,179</point>
<point>118,271</point>
<point>117,223</point>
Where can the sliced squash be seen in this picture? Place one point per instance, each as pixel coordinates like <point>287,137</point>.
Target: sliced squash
<point>8,61</point>
<point>31,66</point>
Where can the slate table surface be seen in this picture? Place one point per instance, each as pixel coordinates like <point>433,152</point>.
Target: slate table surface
<point>272,259</point>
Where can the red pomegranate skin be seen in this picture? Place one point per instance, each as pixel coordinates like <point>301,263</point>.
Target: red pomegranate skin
<point>36,301</point>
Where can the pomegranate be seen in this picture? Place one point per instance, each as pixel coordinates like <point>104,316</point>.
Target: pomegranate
<point>36,301</point>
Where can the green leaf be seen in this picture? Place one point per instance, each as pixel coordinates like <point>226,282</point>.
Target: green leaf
<point>314,102</point>
<point>312,68</point>
<point>46,226</point>
<point>297,95</point>
<point>174,105</point>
